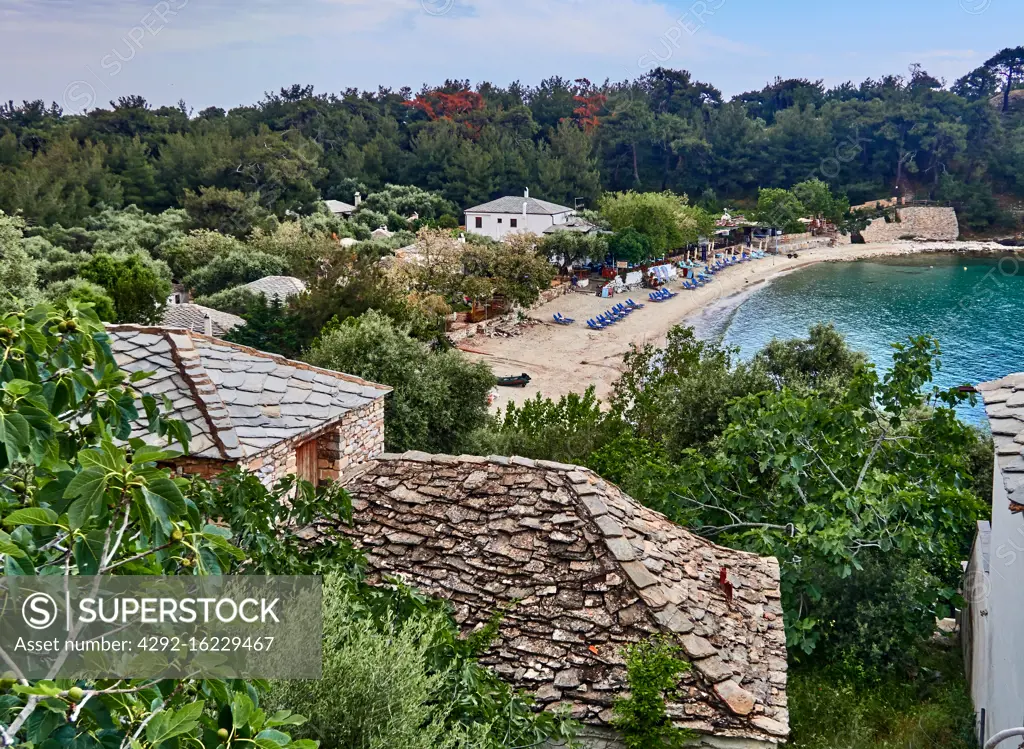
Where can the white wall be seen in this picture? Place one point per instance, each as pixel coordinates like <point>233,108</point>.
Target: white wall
<point>531,223</point>
<point>997,670</point>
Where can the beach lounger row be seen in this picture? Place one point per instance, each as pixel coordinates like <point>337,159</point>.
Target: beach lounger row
<point>618,312</point>
<point>662,295</point>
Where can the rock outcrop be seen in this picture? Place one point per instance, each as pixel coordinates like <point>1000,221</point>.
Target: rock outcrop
<point>917,223</point>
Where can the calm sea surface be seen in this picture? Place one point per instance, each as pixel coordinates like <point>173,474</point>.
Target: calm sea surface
<point>974,305</point>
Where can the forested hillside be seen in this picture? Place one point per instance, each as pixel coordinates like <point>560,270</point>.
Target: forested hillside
<point>565,139</point>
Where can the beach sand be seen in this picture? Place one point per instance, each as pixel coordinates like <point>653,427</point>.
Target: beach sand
<point>563,359</point>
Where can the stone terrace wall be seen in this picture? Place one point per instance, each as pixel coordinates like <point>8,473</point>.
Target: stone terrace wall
<point>580,570</point>
<point>922,222</point>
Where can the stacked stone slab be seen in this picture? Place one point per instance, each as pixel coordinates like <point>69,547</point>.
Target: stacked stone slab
<point>579,571</point>
<point>1004,404</point>
<point>938,224</point>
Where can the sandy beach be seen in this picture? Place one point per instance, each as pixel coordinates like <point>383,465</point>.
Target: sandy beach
<point>564,359</point>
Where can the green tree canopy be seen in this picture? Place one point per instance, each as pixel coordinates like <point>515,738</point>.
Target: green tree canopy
<point>138,287</point>
<point>658,216</point>
<point>439,397</point>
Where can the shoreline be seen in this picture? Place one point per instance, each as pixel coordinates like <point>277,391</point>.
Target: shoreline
<point>563,359</point>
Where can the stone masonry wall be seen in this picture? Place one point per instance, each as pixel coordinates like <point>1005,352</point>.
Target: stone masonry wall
<point>921,222</point>
<point>579,571</point>
<point>341,445</point>
<point>358,437</point>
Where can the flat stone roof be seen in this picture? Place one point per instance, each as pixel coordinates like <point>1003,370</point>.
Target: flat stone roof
<point>579,571</point>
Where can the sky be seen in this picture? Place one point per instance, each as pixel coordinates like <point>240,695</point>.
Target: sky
<point>84,53</point>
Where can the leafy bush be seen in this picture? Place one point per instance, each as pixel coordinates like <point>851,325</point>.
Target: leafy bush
<point>397,673</point>
<point>567,431</point>
<point>405,200</point>
<point>17,271</point>
<point>875,620</point>
<point>82,292</point>
<point>440,397</point>
<point>187,253</point>
<point>829,710</point>
<point>235,269</point>
<point>138,286</point>
<point>376,691</point>
<point>235,300</point>
<point>653,668</point>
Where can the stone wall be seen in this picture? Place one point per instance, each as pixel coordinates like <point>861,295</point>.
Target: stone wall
<point>341,445</point>
<point>461,331</point>
<point>920,223</point>
<point>579,570</point>
<point>358,437</point>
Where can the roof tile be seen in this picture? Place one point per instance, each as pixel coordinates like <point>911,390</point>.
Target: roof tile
<point>217,388</point>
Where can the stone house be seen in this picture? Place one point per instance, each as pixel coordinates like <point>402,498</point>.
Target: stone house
<point>580,570</point>
<point>282,287</point>
<point>200,319</point>
<point>991,634</point>
<point>254,410</point>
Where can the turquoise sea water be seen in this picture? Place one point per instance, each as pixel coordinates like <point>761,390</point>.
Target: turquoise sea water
<point>974,305</point>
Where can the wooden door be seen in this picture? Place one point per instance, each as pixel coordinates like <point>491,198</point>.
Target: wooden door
<point>306,462</point>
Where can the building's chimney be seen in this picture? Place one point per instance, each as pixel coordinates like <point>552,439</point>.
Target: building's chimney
<point>208,326</point>
<point>526,192</point>
<point>359,199</point>
<point>524,208</point>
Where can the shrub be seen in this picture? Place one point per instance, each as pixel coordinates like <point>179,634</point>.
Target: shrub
<point>234,269</point>
<point>376,691</point>
<point>653,669</point>
<point>829,710</point>
<point>17,271</point>
<point>82,291</point>
<point>138,286</point>
<point>186,254</point>
<point>440,397</point>
<point>235,300</point>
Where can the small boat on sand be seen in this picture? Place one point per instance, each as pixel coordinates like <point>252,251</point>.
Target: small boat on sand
<point>515,381</point>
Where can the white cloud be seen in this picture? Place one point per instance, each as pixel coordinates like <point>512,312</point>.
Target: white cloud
<point>362,42</point>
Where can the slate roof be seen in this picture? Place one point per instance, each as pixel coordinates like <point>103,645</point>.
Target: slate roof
<point>236,400</point>
<point>193,317</point>
<point>339,207</point>
<point>575,225</point>
<point>512,204</point>
<point>282,287</point>
<point>1004,403</point>
<point>580,570</point>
